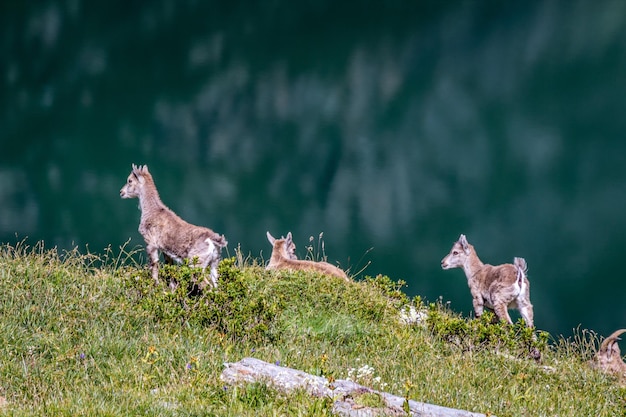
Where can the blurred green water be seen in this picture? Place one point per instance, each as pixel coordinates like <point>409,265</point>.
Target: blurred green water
<point>391,127</point>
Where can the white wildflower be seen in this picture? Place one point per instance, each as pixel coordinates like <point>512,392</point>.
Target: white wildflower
<point>365,371</point>
<point>410,315</point>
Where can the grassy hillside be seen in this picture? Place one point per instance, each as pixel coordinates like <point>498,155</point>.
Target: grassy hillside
<point>87,335</point>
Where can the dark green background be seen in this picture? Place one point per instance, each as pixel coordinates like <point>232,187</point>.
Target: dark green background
<point>389,125</point>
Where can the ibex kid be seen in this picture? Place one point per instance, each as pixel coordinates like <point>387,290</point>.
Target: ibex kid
<point>609,359</point>
<point>164,231</point>
<point>496,287</point>
<point>283,257</point>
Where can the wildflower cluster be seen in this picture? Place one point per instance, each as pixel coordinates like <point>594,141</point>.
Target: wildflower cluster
<point>365,375</point>
<point>411,315</point>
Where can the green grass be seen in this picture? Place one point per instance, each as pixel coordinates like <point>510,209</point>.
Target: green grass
<point>88,335</point>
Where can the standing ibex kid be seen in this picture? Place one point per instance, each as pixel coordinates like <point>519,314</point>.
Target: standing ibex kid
<point>495,287</point>
<point>164,231</point>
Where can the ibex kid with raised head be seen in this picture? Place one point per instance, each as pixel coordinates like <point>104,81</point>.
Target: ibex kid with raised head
<point>283,257</point>
<point>496,287</point>
<point>164,231</point>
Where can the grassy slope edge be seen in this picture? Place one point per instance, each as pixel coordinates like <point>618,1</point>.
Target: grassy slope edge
<point>87,335</point>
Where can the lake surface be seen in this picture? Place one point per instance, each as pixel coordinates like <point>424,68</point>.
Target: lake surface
<point>391,127</point>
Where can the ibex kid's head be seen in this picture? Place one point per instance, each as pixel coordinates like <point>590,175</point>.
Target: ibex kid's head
<point>135,181</point>
<point>459,253</point>
<point>284,245</point>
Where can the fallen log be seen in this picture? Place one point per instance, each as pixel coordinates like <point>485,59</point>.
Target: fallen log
<point>344,392</point>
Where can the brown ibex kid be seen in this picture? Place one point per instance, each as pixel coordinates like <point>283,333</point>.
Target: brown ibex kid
<point>609,359</point>
<point>283,257</point>
<point>496,287</point>
<point>164,231</point>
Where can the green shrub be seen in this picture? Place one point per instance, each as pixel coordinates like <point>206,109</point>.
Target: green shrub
<point>388,287</point>
<point>233,309</point>
<point>485,332</point>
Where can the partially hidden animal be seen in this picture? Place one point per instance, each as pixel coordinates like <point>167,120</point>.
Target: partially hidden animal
<point>283,257</point>
<point>609,358</point>
<point>165,232</point>
<point>498,287</point>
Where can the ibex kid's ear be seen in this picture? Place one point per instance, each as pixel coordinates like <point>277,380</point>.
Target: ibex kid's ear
<point>464,244</point>
<point>289,239</point>
<point>270,238</point>
<point>138,172</point>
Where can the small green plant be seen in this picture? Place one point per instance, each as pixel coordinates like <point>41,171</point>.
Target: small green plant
<point>408,387</point>
<point>256,395</point>
<point>370,399</point>
<point>320,407</point>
